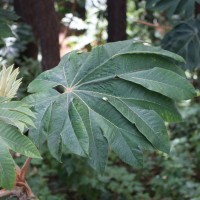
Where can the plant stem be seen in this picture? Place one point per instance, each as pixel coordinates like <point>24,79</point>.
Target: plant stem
<point>21,189</point>
<point>24,169</point>
<point>153,25</point>
<point>4,193</point>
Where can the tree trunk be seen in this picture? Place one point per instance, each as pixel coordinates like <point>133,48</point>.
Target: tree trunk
<point>197,9</point>
<point>41,16</point>
<point>32,47</point>
<point>116,15</point>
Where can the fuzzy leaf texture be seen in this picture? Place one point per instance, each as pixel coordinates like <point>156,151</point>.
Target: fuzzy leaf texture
<point>15,117</point>
<point>115,97</point>
<point>9,84</point>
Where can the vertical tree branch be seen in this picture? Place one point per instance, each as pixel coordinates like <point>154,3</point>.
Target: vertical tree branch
<point>41,16</point>
<point>197,9</point>
<point>26,16</point>
<point>47,29</point>
<point>116,15</point>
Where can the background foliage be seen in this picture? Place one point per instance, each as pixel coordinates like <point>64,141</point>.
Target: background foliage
<point>184,37</point>
<point>174,25</point>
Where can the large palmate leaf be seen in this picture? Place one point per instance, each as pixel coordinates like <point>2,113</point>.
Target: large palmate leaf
<point>118,96</point>
<point>184,40</point>
<point>173,7</point>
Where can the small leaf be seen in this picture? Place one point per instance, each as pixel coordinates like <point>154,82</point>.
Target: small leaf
<point>8,83</point>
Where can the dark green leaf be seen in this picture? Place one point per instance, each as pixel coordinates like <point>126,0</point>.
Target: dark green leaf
<point>184,39</point>
<point>86,104</point>
<point>173,7</point>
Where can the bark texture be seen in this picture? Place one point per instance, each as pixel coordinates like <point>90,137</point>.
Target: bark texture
<point>41,16</point>
<point>116,15</point>
<point>197,9</point>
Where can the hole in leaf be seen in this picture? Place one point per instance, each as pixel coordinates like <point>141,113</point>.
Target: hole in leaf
<point>60,89</point>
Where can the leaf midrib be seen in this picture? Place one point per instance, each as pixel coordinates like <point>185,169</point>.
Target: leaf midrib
<point>108,122</point>
<point>89,91</point>
<point>78,72</point>
<point>116,55</point>
<point>137,116</point>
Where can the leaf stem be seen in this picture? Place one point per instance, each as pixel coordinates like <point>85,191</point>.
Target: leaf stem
<point>4,193</point>
<point>153,25</point>
<point>21,189</point>
<point>24,169</point>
